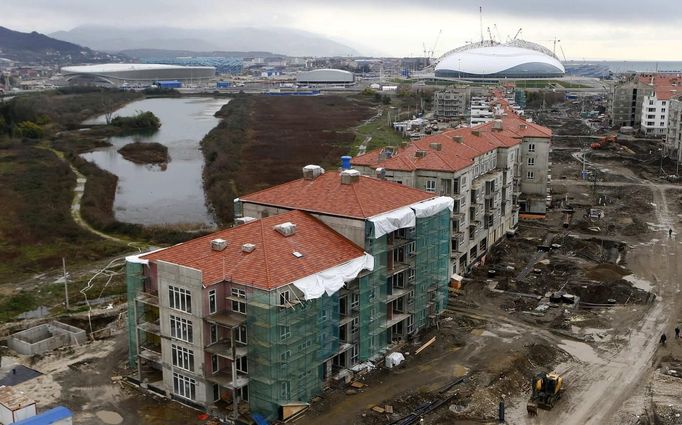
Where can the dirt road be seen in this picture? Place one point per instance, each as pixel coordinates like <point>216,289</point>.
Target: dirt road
<point>598,386</point>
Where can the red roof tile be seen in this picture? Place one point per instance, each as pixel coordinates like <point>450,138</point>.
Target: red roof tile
<point>272,264</point>
<point>666,87</point>
<point>457,155</point>
<point>363,199</point>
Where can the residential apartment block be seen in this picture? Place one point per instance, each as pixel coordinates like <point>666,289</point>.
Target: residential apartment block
<point>324,272</point>
<point>656,105</point>
<point>452,103</point>
<point>492,172</point>
<point>625,102</point>
<point>673,140</point>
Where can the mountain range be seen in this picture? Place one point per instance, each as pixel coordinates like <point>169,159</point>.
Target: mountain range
<point>39,48</point>
<point>282,41</point>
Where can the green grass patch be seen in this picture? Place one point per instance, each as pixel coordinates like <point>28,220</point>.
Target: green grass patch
<point>380,131</point>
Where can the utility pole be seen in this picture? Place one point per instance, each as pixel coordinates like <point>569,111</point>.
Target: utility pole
<point>66,285</point>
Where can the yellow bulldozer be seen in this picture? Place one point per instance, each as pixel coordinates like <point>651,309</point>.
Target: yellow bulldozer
<point>546,390</point>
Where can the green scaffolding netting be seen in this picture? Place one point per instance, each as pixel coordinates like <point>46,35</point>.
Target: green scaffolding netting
<point>373,297</point>
<point>287,346</point>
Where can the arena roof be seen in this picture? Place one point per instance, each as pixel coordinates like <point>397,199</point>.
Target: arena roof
<point>516,59</point>
<point>117,67</point>
<point>117,73</point>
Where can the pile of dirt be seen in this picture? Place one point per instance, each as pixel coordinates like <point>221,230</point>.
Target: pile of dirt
<point>606,272</point>
<point>602,293</point>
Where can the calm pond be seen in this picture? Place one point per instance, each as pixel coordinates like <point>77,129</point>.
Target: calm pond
<point>151,194</point>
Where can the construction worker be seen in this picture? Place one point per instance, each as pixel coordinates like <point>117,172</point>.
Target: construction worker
<point>677,331</point>
<point>663,338</point>
<point>670,233</point>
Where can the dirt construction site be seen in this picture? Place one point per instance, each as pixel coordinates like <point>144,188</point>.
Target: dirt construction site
<point>586,292</point>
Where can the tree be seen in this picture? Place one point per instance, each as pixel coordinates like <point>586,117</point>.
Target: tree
<point>30,130</point>
<point>386,99</point>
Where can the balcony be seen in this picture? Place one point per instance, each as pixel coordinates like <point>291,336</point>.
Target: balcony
<point>153,328</point>
<point>149,298</point>
<point>397,318</point>
<point>151,353</point>
<point>458,236</point>
<point>397,293</point>
<point>223,348</point>
<point>224,378</point>
<point>227,319</point>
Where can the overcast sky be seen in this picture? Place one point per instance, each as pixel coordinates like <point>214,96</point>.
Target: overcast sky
<point>592,29</point>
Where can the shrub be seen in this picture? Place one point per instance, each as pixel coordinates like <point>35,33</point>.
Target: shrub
<point>30,130</point>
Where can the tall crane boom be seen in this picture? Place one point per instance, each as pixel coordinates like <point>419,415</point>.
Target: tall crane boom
<point>517,34</point>
<point>435,43</point>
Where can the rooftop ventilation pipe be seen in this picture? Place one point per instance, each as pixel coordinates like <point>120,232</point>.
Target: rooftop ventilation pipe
<point>218,244</point>
<point>345,162</point>
<point>286,229</point>
<point>350,176</point>
<point>311,172</point>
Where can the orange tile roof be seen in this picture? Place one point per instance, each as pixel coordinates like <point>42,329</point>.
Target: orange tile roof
<point>666,86</point>
<point>272,264</point>
<point>363,199</point>
<point>454,155</point>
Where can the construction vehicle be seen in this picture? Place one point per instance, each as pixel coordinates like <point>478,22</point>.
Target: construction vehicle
<point>546,390</point>
<point>611,138</point>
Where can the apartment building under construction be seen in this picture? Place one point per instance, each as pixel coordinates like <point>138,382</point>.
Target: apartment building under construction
<point>320,275</point>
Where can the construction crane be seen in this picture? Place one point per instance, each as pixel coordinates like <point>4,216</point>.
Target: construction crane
<point>497,31</point>
<point>435,43</point>
<point>555,41</point>
<point>517,34</point>
<point>490,34</point>
<point>562,52</point>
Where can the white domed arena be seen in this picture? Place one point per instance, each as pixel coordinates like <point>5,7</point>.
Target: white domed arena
<point>489,59</point>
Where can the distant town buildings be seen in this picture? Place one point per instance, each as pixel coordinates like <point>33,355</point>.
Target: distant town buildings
<point>452,103</point>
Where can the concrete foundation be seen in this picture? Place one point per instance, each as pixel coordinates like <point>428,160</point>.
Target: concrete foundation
<point>45,337</point>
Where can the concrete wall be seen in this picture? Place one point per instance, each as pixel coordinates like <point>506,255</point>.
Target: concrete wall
<point>673,140</point>
<point>535,188</point>
<point>183,277</point>
<point>46,337</point>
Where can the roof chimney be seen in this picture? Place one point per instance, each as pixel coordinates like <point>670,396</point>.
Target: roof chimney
<point>458,139</point>
<point>218,244</point>
<point>350,176</point>
<point>497,125</point>
<point>420,154</point>
<point>243,220</point>
<point>248,247</point>
<point>435,146</point>
<point>345,162</point>
<point>476,132</point>
<point>311,172</point>
<point>286,229</point>
<point>381,173</point>
<point>523,126</point>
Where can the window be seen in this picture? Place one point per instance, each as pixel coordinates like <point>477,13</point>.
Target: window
<point>284,356</point>
<point>182,357</point>
<point>214,334</point>
<point>354,352</point>
<point>243,393</point>
<point>181,328</point>
<point>410,275</point>
<point>531,147</point>
<point>284,298</point>
<point>180,299</point>
<point>240,334</point>
<point>184,386</point>
<point>284,332</point>
<point>216,392</point>
<point>242,365</point>
<point>355,326</point>
<point>212,302</point>
<point>215,365</point>
<point>284,390</point>
<point>354,301</point>
<point>530,175</point>
<point>430,185</point>
<point>237,305</point>
<point>531,161</point>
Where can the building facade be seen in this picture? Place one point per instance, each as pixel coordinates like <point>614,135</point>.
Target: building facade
<point>656,106</point>
<point>262,316</point>
<point>673,140</point>
<point>492,172</point>
<point>452,103</point>
<point>625,102</point>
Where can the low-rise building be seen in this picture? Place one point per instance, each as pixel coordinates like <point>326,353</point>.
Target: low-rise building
<point>325,273</point>
<point>15,406</point>
<point>492,172</point>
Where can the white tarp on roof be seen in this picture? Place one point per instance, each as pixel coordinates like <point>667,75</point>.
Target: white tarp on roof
<point>331,280</point>
<point>137,260</point>
<point>392,221</point>
<point>433,206</point>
